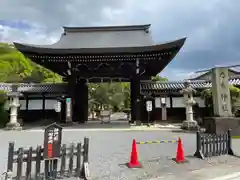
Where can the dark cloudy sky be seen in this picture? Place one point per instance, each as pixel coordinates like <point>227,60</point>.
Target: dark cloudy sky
<point>211,26</point>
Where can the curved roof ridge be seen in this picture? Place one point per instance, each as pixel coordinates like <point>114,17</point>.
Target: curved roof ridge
<point>144,27</point>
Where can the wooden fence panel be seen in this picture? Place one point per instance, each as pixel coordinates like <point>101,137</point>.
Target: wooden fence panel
<point>213,145</point>
<point>75,155</point>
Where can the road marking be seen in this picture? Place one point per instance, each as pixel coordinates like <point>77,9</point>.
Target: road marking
<point>103,129</point>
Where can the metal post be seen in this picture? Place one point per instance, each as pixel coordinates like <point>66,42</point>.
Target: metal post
<point>10,157</point>
<point>229,143</point>
<point>198,152</point>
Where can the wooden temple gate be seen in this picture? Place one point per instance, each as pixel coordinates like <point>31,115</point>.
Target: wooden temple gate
<point>92,54</point>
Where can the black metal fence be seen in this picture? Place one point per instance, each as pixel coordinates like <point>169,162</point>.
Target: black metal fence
<point>209,145</point>
<point>71,163</point>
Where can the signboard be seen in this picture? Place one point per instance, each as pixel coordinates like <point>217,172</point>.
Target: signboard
<point>58,106</point>
<point>163,100</point>
<point>68,109</point>
<point>157,102</point>
<point>149,105</point>
<point>52,141</point>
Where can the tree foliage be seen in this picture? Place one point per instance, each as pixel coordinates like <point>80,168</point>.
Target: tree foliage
<point>234,93</point>
<point>14,67</point>
<point>3,112</point>
<point>159,78</point>
<point>116,95</point>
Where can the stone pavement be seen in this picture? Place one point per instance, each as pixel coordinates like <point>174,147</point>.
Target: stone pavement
<point>233,176</point>
<point>115,125</point>
<point>110,150</point>
<point>218,168</point>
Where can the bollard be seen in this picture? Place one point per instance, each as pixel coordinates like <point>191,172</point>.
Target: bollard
<point>198,152</point>
<point>229,143</point>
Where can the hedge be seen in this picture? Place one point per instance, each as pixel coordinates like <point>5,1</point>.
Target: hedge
<point>3,112</point>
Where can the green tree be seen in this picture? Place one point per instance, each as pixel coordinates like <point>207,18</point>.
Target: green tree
<point>159,78</point>
<point>3,112</point>
<point>116,95</point>
<point>207,96</point>
<point>14,67</point>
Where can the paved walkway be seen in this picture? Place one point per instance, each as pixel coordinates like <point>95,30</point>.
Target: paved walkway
<point>233,176</point>
<point>118,125</point>
<point>110,150</point>
<point>229,171</point>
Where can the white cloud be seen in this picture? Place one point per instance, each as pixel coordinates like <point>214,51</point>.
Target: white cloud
<point>212,27</point>
<point>176,74</point>
<point>32,36</point>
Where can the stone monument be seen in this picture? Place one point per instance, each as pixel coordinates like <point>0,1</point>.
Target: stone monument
<point>188,91</point>
<point>223,118</point>
<point>14,105</point>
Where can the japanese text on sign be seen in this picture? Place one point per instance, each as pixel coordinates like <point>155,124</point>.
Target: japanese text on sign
<point>53,135</point>
<point>149,105</point>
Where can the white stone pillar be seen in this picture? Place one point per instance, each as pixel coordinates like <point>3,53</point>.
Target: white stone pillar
<point>14,105</point>
<point>14,110</point>
<point>189,112</point>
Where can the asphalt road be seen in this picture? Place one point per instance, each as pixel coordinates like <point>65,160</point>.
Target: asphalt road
<point>109,151</point>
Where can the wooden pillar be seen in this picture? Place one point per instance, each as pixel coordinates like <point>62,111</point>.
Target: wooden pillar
<point>71,92</point>
<point>27,103</point>
<point>77,105</point>
<point>43,105</point>
<point>81,101</point>
<point>63,109</point>
<point>133,99</point>
<point>85,101</point>
<point>171,101</point>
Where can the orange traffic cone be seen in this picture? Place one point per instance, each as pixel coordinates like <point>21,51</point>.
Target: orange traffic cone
<point>180,152</point>
<point>134,163</point>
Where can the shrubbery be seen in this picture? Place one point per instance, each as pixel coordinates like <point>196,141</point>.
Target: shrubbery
<point>3,112</point>
<point>235,97</point>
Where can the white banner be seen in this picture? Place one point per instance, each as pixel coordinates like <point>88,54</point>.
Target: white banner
<point>58,107</point>
<point>149,105</point>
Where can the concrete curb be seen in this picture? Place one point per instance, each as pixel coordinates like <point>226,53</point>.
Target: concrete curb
<point>103,130</point>
<point>233,176</point>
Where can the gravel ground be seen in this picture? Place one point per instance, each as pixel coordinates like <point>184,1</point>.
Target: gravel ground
<point>109,151</point>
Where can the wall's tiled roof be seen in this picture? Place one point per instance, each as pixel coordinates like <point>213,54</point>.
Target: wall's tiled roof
<point>197,84</point>
<point>145,85</point>
<point>35,88</point>
<point>5,87</point>
<point>61,87</point>
<point>170,85</point>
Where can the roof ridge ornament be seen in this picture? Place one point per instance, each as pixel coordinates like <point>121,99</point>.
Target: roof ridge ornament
<point>144,27</point>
